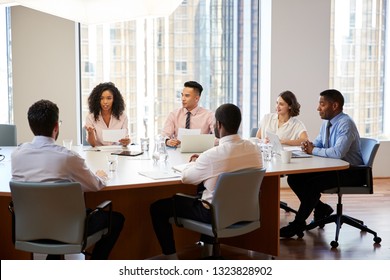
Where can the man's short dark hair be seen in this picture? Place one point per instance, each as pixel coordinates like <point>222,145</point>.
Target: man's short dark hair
<point>333,95</point>
<point>229,115</point>
<point>42,117</point>
<point>194,85</point>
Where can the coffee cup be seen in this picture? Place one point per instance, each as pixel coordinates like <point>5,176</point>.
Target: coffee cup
<point>286,156</point>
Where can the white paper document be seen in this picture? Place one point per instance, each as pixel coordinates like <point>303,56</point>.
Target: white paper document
<point>113,135</point>
<point>159,174</point>
<point>185,131</point>
<point>180,167</point>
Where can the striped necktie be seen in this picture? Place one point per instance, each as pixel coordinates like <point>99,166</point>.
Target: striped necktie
<point>188,120</point>
<point>328,125</point>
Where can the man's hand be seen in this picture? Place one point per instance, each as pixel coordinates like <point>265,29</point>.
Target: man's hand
<point>307,147</point>
<point>194,157</point>
<point>101,174</point>
<point>172,142</point>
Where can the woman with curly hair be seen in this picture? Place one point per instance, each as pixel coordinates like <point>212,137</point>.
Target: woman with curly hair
<point>106,111</point>
<point>283,122</point>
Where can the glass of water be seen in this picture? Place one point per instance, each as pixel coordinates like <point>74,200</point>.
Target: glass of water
<point>112,161</point>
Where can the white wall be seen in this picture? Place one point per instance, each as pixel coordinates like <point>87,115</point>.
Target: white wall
<point>300,54</point>
<point>45,54</point>
<point>44,67</point>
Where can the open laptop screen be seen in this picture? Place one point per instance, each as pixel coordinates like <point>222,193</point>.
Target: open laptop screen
<point>196,143</point>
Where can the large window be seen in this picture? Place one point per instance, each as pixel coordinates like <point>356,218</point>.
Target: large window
<point>357,66</point>
<point>5,71</point>
<point>217,43</point>
<point>212,42</point>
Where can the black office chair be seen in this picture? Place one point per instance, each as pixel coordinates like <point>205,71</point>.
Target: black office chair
<point>235,208</point>
<point>362,175</point>
<point>283,205</point>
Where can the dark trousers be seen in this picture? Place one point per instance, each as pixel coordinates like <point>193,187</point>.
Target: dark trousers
<point>162,210</point>
<point>308,187</point>
<point>103,247</point>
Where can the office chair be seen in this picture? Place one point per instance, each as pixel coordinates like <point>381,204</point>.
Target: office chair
<point>84,137</point>
<point>362,174</point>
<point>50,218</point>
<point>235,207</point>
<point>8,135</point>
<point>283,205</point>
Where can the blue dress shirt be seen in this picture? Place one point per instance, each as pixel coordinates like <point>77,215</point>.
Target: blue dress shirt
<point>344,140</point>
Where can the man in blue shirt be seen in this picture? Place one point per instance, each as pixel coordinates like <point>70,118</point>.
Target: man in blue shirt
<point>338,138</point>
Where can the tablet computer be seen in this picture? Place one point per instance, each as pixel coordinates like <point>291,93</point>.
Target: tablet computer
<point>128,153</point>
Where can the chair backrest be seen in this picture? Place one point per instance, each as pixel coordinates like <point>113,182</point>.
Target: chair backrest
<point>8,135</point>
<point>84,137</point>
<point>253,132</point>
<point>369,148</point>
<point>53,211</point>
<point>236,197</point>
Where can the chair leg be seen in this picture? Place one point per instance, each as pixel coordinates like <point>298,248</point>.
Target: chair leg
<point>340,219</point>
<point>285,207</point>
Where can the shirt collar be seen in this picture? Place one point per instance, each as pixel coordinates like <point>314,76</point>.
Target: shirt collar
<point>193,111</point>
<point>229,138</point>
<point>336,118</point>
<point>42,140</point>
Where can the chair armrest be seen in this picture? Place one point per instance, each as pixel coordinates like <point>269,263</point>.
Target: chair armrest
<point>105,204</point>
<point>182,195</point>
<point>359,175</point>
<point>11,210</point>
<point>185,195</point>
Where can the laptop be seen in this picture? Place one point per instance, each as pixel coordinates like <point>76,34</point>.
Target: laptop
<point>277,146</point>
<point>196,143</point>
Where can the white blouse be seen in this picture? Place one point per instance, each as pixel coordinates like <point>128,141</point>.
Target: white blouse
<point>290,130</point>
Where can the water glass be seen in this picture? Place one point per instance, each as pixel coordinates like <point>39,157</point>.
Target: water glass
<point>144,144</point>
<point>67,143</point>
<point>267,152</point>
<point>112,161</point>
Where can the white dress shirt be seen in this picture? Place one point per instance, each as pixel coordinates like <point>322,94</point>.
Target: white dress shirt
<point>232,154</point>
<point>43,160</point>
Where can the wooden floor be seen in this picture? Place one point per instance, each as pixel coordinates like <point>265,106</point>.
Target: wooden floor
<point>373,209</point>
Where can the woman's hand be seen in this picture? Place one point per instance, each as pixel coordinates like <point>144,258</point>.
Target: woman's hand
<point>125,141</point>
<point>89,129</point>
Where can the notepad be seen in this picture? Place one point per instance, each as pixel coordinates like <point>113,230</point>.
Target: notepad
<point>159,174</point>
<point>113,135</point>
<point>180,167</point>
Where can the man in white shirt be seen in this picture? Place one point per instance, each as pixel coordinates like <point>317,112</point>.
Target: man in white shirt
<point>232,154</point>
<point>42,160</point>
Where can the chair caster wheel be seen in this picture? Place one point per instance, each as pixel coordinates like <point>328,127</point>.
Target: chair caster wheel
<point>377,240</point>
<point>334,244</point>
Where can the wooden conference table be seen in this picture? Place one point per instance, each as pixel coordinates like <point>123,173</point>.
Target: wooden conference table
<point>132,194</point>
